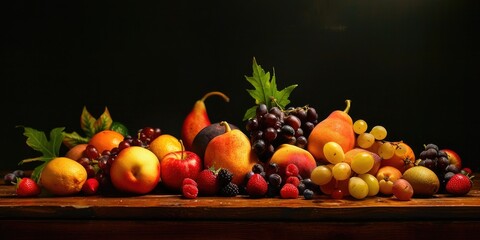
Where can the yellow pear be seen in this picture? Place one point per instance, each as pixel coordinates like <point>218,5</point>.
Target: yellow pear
<point>231,150</point>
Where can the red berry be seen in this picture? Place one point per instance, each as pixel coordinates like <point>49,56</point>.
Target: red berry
<point>27,187</point>
<point>90,187</point>
<point>337,194</point>
<point>257,186</point>
<point>293,180</point>
<point>291,170</point>
<point>289,191</point>
<point>207,183</point>
<point>467,170</point>
<point>459,184</point>
<point>190,191</point>
<point>189,181</point>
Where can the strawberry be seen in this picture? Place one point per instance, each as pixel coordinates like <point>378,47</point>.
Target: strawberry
<point>90,187</point>
<point>289,191</point>
<point>207,183</point>
<point>459,184</point>
<point>257,186</point>
<point>189,191</point>
<point>27,187</point>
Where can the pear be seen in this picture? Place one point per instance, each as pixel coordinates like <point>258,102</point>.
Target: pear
<point>231,150</point>
<point>203,137</point>
<point>197,119</point>
<point>337,127</point>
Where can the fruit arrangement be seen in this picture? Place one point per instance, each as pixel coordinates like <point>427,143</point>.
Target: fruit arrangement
<point>284,152</point>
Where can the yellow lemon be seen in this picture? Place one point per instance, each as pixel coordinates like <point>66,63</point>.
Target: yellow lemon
<point>164,144</point>
<point>63,176</point>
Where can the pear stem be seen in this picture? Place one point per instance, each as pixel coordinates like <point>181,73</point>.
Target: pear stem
<point>226,125</point>
<point>348,101</point>
<point>225,97</point>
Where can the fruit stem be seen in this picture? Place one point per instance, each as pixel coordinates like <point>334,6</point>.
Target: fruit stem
<point>215,93</point>
<point>183,147</point>
<point>348,101</point>
<point>226,125</point>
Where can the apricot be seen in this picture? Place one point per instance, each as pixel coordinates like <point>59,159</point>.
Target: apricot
<point>288,153</point>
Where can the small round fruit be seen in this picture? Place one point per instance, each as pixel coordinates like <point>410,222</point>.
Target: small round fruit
<point>164,144</point>
<point>106,140</point>
<point>357,188</point>
<point>403,158</point>
<point>372,182</point>
<point>360,126</point>
<point>321,175</point>
<point>341,171</point>
<point>402,189</point>
<point>333,152</point>
<point>423,180</point>
<point>63,176</point>
<point>362,162</point>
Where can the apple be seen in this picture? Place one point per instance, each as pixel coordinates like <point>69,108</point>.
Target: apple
<point>135,170</point>
<point>179,165</point>
<point>453,157</point>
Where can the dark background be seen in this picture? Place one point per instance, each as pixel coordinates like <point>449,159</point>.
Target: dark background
<point>404,64</point>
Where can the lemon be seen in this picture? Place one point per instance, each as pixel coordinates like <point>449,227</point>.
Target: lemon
<point>63,176</point>
<point>164,144</point>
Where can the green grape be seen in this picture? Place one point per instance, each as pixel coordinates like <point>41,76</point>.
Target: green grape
<point>365,140</point>
<point>333,152</point>
<point>362,162</point>
<point>321,175</point>
<point>386,150</point>
<point>341,171</point>
<point>357,188</point>
<point>360,126</point>
<point>372,182</point>
<point>379,132</point>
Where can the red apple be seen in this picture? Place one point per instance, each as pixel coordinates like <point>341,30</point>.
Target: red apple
<point>453,157</point>
<point>179,165</point>
<point>135,170</point>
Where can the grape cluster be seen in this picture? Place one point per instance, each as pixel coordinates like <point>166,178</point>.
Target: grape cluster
<point>273,127</point>
<point>98,164</point>
<point>437,160</point>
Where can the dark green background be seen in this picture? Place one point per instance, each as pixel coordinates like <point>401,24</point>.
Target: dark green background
<point>404,64</point>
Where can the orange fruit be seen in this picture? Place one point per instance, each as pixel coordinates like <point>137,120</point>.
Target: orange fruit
<point>164,144</point>
<point>106,140</point>
<point>63,176</point>
<point>76,152</point>
<point>403,161</point>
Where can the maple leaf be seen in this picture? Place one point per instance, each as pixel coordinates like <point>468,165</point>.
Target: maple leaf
<point>266,90</point>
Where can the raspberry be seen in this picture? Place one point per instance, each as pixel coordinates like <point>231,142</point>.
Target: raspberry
<point>189,181</point>
<point>257,186</point>
<point>289,191</point>
<point>207,183</point>
<point>291,170</point>
<point>190,191</point>
<point>293,180</point>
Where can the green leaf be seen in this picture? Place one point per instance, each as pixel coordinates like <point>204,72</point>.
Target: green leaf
<point>72,139</point>
<point>37,140</point>
<point>104,122</point>
<point>50,149</point>
<point>87,122</point>
<point>266,90</point>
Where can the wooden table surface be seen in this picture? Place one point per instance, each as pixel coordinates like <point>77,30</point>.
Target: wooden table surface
<point>171,216</point>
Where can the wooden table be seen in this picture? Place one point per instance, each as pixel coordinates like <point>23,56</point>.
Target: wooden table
<point>161,216</point>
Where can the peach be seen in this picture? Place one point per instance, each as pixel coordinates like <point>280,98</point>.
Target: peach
<point>288,153</point>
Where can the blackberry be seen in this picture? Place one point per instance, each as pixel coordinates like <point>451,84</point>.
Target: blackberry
<point>224,177</point>
<point>229,190</point>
